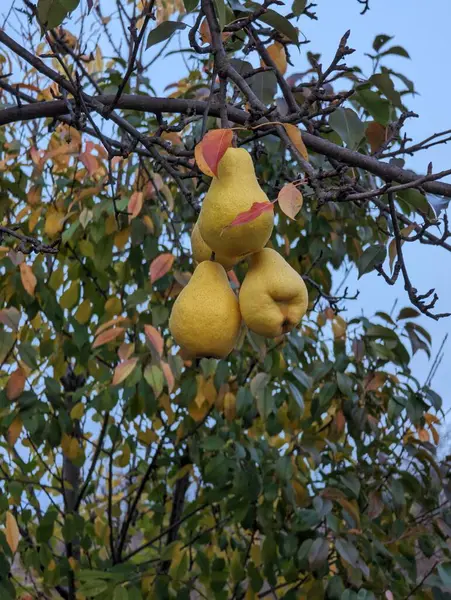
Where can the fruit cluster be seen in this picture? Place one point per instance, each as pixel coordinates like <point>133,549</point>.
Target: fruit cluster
<point>206,316</point>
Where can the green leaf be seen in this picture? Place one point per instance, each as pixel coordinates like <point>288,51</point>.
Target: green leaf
<point>419,202</point>
<point>344,384</point>
<point>120,593</point>
<point>280,24</point>
<point>154,377</point>
<point>68,233</point>
<point>296,395</point>
<point>264,86</point>
<point>265,404</point>
<point>51,13</point>
<point>372,256</point>
<point>380,40</point>
<point>398,50</point>
<point>384,83</point>
<point>190,4</point>
<point>407,313</point>
<point>259,384</point>
<point>220,8</point>
<point>163,31</point>
<point>298,7</point>
<point>318,553</point>
<point>444,570</point>
<point>349,127</point>
<point>379,331</point>
<point>374,104</point>
<point>347,551</point>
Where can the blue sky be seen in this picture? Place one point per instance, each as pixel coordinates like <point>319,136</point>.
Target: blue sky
<point>423,29</point>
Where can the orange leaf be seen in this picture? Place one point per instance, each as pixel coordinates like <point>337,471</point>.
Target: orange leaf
<point>135,205</point>
<point>108,336</point>
<point>290,200</point>
<point>154,337</point>
<point>16,384</point>
<point>423,435</point>
<point>277,52</point>
<point>200,161</point>
<point>123,370</point>
<point>168,375</point>
<point>204,32</point>
<point>249,215</point>
<point>14,431</point>
<point>12,532</point>
<point>28,278</point>
<point>435,435</point>
<point>376,135</point>
<point>214,146</point>
<point>296,138</point>
<point>160,266</point>
<point>89,161</point>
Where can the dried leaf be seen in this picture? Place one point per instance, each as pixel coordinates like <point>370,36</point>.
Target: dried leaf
<point>278,55</point>
<point>296,138</point>
<point>160,266</point>
<point>108,336</point>
<point>123,370</point>
<point>16,384</point>
<point>12,531</point>
<point>135,205</point>
<point>154,337</point>
<point>290,200</point>
<point>376,135</point>
<point>214,146</point>
<point>249,215</point>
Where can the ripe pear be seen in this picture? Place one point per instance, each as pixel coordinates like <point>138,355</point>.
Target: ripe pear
<point>205,319</point>
<point>273,296</point>
<point>234,191</point>
<point>201,251</point>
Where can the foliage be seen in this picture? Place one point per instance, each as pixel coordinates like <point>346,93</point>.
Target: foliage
<point>303,467</point>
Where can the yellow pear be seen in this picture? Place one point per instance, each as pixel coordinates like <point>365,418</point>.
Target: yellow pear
<point>234,191</point>
<point>205,319</point>
<point>273,296</point>
<point>201,251</point>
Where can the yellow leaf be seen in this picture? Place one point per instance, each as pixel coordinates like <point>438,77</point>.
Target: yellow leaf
<point>121,238</point>
<point>54,222</point>
<point>83,312</point>
<point>14,431</point>
<point>229,406</point>
<point>28,278</point>
<point>149,223</point>
<point>290,200</point>
<point>123,370</point>
<point>113,306</point>
<point>339,327</point>
<point>34,218</point>
<point>70,446</point>
<point>78,411</point>
<point>277,53</point>
<point>296,138</point>
<point>12,532</point>
<point>70,297</point>
<point>16,384</point>
<point>124,457</point>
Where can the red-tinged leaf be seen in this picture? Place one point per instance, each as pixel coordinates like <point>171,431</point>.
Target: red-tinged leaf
<point>16,384</point>
<point>88,160</point>
<point>108,336</point>
<point>108,324</point>
<point>201,162</point>
<point>249,215</point>
<point>154,337</point>
<point>28,278</point>
<point>160,266</point>
<point>376,134</point>
<point>214,146</point>
<point>168,375</point>
<point>135,205</point>
<point>125,350</point>
<point>290,200</point>
<point>123,370</point>
<point>233,278</point>
<point>10,317</point>
<point>296,139</point>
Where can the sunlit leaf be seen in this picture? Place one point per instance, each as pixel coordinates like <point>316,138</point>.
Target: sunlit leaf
<point>294,133</point>
<point>12,532</point>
